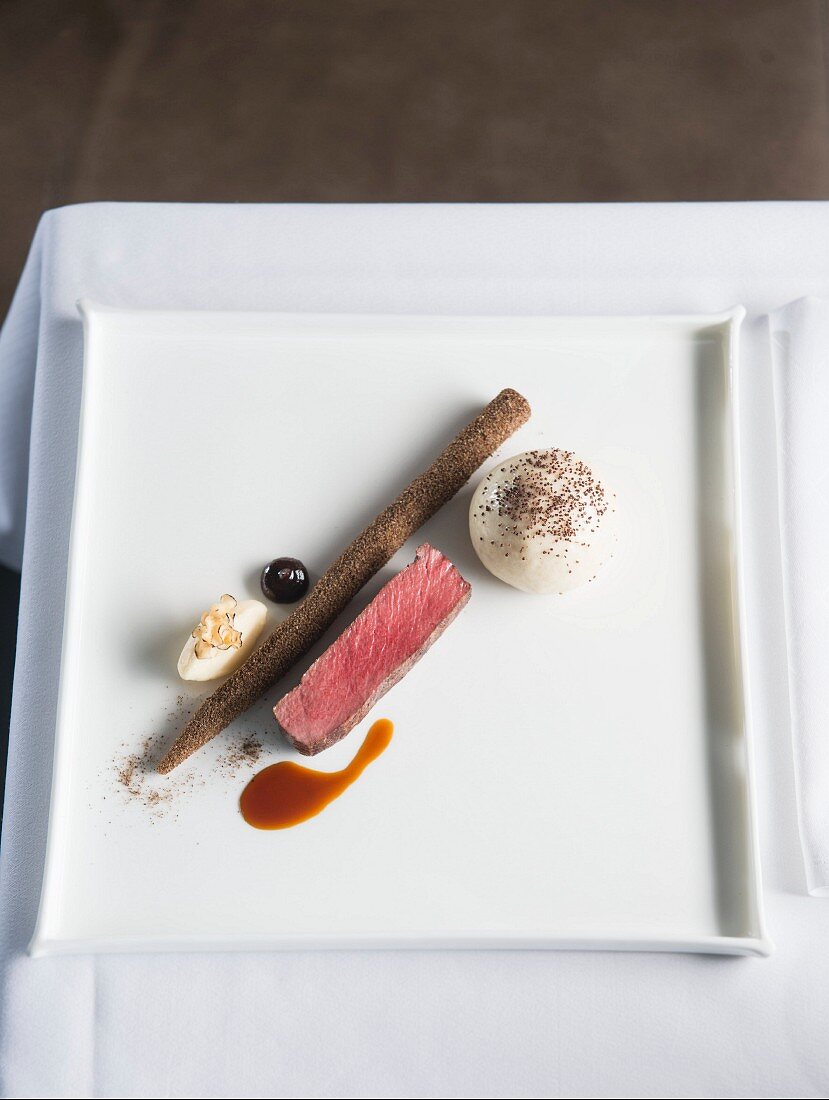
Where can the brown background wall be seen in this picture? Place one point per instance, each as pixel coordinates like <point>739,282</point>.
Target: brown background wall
<point>406,100</point>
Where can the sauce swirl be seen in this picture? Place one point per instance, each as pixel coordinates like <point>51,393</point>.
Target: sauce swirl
<point>287,793</point>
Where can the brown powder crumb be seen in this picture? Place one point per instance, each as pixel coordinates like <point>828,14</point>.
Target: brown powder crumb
<point>135,774</point>
<point>250,750</point>
<point>138,781</point>
<point>243,754</point>
<point>126,774</point>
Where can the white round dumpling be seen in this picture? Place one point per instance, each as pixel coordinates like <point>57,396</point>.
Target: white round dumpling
<point>543,522</point>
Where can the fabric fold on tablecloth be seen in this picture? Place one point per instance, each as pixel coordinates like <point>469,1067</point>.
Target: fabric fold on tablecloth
<point>800,358</point>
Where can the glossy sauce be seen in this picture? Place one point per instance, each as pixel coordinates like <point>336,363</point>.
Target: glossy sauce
<point>287,794</point>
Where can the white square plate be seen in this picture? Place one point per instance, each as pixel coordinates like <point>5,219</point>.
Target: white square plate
<point>565,772</point>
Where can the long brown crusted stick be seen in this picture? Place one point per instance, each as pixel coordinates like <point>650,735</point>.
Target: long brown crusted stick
<point>353,568</point>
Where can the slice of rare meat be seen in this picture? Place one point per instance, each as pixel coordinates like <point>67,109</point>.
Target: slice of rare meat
<point>372,654</point>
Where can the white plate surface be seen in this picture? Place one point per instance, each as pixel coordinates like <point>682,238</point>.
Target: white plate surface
<point>565,772</point>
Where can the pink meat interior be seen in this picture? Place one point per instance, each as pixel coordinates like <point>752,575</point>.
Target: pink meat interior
<point>397,623</point>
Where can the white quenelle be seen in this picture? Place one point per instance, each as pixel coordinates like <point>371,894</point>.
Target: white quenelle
<point>223,639</point>
<point>543,522</point>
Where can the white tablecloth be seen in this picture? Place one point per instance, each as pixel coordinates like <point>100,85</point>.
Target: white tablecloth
<point>405,1024</point>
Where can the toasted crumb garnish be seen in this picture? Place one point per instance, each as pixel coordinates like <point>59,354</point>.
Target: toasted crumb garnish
<point>216,631</point>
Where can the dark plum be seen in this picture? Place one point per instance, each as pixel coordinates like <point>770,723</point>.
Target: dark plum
<point>284,580</point>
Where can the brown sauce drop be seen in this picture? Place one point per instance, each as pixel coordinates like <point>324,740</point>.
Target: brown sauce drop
<point>287,794</point>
